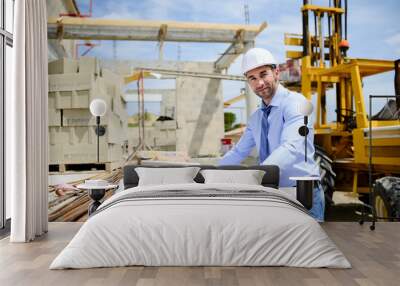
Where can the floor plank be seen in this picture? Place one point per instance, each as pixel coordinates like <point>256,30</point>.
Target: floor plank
<point>374,255</point>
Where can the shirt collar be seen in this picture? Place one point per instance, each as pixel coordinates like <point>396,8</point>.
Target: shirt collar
<point>278,96</point>
<point>264,107</point>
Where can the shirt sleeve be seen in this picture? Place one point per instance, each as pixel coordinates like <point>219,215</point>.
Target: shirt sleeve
<point>241,150</point>
<point>291,149</point>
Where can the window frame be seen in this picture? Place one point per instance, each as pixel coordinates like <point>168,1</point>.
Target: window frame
<point>6,39</point>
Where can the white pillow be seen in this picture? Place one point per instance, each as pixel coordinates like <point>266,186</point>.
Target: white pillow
<point>164,176</point>
<point>248,177</point>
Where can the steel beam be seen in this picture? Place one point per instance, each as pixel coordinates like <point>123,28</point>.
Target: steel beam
<point>366,67</point>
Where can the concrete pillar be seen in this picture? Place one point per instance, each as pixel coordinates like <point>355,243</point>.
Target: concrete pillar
<point>252,102</point>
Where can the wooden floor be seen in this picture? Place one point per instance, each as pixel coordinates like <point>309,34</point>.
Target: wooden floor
<point>374,255</point>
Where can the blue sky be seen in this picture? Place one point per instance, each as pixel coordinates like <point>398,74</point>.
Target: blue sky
<point>373,31</point>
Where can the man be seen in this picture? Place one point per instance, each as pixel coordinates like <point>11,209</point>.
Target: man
<point>274,127</point>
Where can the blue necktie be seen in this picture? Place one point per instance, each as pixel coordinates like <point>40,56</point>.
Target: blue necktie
<point>264,147</point>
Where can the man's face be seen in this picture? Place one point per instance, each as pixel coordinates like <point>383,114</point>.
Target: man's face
<point>264,82</point>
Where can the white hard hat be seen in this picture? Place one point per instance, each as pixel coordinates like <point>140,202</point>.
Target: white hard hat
<point>257,57</point>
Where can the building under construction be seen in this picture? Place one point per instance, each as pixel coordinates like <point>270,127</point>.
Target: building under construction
<point>192,130</point>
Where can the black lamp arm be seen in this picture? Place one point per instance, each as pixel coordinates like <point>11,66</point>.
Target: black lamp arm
<point>303,131</point>
<point>98,139</point>
<point>305,138</point>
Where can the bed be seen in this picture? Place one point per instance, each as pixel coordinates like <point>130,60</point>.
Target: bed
<point>201,224</point>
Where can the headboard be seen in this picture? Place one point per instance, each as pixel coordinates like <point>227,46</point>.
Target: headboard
<point>270,179</point>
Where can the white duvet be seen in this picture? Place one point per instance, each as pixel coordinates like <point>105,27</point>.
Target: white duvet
<point>200,231</point>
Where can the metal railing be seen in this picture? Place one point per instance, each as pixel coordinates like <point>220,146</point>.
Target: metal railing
<point>371,193</point>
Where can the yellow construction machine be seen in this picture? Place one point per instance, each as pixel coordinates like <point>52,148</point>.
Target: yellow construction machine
<point>347,141</point>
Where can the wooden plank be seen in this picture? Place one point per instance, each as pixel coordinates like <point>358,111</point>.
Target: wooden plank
<point>58,215</point>
<point>98,22</point>
<point>148,30</point>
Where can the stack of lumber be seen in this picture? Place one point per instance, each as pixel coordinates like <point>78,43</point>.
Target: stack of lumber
<point>67,203</point>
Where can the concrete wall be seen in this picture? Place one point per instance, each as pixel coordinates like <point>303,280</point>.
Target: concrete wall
<point>168,103</point>
<point>200,108</point>
<point>199,104</point>
<point>72,138</point>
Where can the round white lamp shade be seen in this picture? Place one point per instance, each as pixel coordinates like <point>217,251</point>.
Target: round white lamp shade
<point>98,107</point>
<point>305,108</point>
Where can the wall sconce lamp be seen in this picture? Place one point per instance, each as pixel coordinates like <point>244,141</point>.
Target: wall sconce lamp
<point>98,108</point>
<point>305,184</point>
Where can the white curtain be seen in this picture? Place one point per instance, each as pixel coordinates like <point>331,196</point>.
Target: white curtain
<point>26,121</point>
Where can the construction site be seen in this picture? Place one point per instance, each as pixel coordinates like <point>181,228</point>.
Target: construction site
<point>176,111</point>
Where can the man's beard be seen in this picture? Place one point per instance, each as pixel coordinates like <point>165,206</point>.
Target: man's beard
<point>267,93</point>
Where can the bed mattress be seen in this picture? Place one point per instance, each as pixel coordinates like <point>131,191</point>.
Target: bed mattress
<point>201,225</point>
